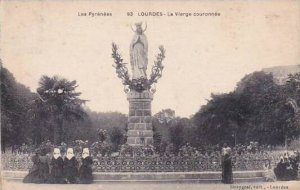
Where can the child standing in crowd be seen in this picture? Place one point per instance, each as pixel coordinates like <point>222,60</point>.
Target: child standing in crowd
<point>57,164</point>
<point>85,170</point>
<point>70,167</point>
<point>269,172</point>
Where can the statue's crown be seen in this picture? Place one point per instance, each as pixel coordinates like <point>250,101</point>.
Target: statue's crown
<point>138,24</point>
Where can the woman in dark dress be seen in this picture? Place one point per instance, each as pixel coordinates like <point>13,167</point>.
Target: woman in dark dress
<point>227,176</point>
<point>295,166</point>
<point>288,169</point>
<point>44,166</point>
<point>70,167</point>
<point>39,173</point>
<point>280,170</point>
<point>33,175</point>
<point>57,164</point>
<point>85,170</point>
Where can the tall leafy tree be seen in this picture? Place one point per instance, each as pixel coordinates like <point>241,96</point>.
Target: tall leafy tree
<point>256,110</point>
<point>292,90</point>
<point>116,136</point>
<point>15,102</point>
<point>62,101</point>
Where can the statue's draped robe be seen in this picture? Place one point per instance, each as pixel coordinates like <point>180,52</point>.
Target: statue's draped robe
<point>139,56</point>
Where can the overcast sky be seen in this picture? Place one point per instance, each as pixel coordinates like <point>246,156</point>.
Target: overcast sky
<point>204,55</point>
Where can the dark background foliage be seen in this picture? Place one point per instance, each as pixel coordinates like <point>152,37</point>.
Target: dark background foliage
<point>257,110</point>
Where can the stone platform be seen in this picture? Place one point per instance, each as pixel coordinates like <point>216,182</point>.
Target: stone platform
<point>159,177</point>
<point>139,118</point>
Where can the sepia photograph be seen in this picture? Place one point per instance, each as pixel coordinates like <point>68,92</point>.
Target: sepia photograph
<point>148,95</point>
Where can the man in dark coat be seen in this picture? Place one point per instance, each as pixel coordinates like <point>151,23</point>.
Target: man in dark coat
<point>57,164</point>
<point>85,170</point>
<point>70,167</point>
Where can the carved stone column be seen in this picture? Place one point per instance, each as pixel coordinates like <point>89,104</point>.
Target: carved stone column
<point>139,118</point>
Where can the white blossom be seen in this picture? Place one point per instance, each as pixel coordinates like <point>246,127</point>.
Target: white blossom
<point>59,91</point>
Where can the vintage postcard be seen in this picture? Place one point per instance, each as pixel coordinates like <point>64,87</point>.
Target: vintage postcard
<point>150,94</point>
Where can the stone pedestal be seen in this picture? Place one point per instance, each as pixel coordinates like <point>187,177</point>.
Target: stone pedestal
<point>139,118</point>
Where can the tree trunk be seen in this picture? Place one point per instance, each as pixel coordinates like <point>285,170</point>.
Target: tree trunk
<point>13,148</point>
<point>285,142</point>
<point>58,131</point>
<point>3,147</point>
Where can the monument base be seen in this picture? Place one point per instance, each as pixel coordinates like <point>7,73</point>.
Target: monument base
<point>140,131</point>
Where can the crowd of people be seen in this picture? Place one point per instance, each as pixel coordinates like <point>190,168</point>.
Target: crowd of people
<point>288,166</point>
<point>285,169</point>
<point>59,169</point>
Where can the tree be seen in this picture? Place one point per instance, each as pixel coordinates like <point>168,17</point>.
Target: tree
<point>157,138</point>
<point>261,97</point>
<point>79,130</point>
<point>15,102</point>
<point>116,136</point>
<point>62,101</point>
<point>255,111</point>
<point>41,128</point>
<point>177,134</point>
<point>165,115</point>
<point>292,90</point>
<point>219,119</point>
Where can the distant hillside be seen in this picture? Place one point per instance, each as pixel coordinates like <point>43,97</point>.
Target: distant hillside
<point>281,73</point>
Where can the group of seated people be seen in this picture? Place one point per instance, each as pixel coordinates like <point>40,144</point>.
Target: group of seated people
<point>286,169</point>
<point>59,170</point>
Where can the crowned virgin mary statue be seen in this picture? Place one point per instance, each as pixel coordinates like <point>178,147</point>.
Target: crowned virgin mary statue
<point>139,53</point>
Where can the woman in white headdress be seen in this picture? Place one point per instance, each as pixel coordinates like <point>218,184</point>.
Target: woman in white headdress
<point>57,164</point>
<point>85,170</point>
<point>70,167</point>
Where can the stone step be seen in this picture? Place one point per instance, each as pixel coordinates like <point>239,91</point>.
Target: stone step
<point>161,177</point>
<point>236,180</point>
